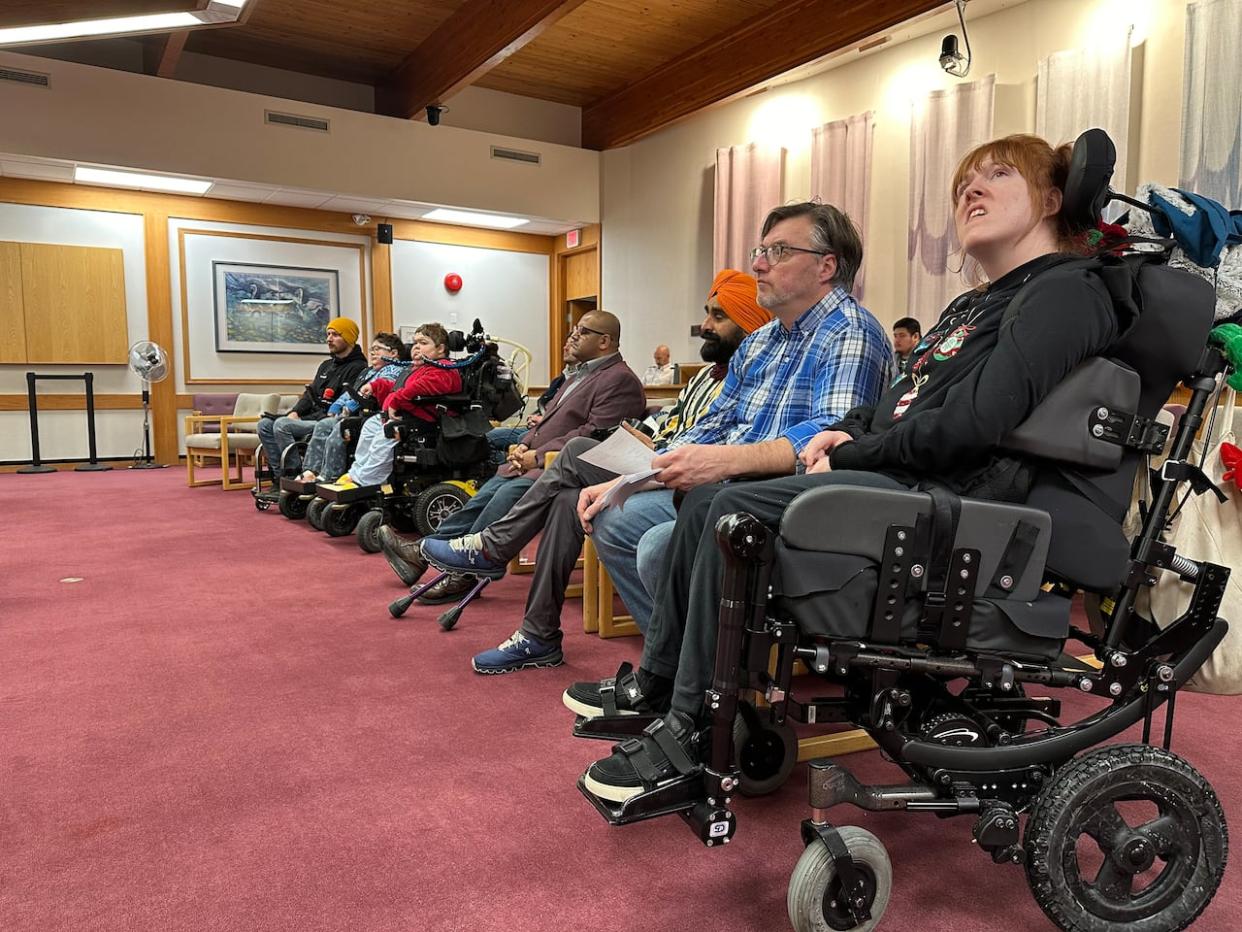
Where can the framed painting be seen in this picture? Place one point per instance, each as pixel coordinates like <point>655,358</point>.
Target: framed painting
<point>273,309</point>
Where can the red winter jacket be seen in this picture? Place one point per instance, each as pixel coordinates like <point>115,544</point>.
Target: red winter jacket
<point>426,379</point>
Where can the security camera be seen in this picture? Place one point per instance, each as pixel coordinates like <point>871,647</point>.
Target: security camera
<point>434,112</point>
<point>362,220</point>
<point>951,60</point>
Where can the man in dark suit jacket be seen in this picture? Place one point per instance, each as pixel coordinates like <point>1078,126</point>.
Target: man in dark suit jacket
<point>601,393</point>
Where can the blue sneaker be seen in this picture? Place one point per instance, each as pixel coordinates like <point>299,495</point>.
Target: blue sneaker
<point>518,653</point>
<point>462,555</point>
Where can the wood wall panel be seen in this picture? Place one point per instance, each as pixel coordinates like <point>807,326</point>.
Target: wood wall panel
<point>582,275</point>
<point>74,299</point>
<point>12,313</point>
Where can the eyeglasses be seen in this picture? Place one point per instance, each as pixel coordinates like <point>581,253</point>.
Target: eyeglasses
<point>580,330</point>
<point>777,251</point>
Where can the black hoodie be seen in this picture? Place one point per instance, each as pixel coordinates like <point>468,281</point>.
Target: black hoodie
<point>333,377</point>
<point>978,374</point>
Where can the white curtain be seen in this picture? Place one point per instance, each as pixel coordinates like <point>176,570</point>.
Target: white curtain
<point>1084,88</point>
<point>944,127</point>
<point>841,172</point>
<point>748,185</point>
<point>1212,102</point>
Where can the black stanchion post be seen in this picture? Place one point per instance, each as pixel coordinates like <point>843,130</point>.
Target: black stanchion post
<point>32,404</point>
<point>94,465</point>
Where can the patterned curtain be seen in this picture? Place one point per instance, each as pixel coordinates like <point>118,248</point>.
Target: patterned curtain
<point>748,185</point>
<point>1212,102</point>
<point>1085,88</point>
<point>945,126</point>
<point>841,172</point>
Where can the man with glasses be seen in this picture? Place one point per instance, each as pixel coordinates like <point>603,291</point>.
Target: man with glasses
<point>600,393</point>
<point>823,356</point>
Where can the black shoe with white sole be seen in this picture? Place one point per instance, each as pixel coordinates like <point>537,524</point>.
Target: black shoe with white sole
<point>667,749</point>
<point>630,692</point>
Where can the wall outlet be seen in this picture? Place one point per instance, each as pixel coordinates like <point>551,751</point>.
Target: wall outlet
<point>453,317</point>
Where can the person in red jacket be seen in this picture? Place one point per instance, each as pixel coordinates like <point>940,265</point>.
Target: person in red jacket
<point>373,457</point>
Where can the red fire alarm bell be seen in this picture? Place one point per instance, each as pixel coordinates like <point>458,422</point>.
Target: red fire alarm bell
<point>452,281</point>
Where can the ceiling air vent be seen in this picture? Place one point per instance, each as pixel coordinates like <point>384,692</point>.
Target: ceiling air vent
<point>292,119</point>
<point>516,155</point>
<point>25,77</point>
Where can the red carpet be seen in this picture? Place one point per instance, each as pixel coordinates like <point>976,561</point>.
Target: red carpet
<point>220,728</point>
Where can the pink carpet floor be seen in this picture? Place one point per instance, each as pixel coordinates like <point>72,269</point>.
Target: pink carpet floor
<point>208,721</point>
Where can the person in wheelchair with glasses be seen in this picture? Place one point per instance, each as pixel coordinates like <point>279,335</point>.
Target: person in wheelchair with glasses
<point>971,380</point>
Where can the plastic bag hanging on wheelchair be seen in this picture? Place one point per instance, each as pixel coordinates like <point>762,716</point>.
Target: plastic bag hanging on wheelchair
<point>1207,529</point>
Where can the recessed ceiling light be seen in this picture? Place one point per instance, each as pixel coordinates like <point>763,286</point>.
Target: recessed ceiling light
<point>137,180</point>
<point>445,215</point>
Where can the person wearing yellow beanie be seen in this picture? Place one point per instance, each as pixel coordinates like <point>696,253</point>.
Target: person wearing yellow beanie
<point>346,328</point>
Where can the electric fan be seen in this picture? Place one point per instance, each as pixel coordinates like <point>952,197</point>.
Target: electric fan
<point>150,363</point>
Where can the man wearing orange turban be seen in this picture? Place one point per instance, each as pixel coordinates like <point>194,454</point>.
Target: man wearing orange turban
<point>735,292</point>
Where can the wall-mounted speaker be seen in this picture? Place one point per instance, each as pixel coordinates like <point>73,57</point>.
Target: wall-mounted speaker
<point>384,233</point>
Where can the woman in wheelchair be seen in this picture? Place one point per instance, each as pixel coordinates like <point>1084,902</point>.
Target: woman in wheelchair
<point>972,379</point>
<point>325,456</point>
<point>373,457</point>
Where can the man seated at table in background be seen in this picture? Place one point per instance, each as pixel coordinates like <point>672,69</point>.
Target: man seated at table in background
<point>663,372</point>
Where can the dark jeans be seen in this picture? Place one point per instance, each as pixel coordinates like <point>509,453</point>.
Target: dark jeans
<point>681,640</point>
<point>491,503</point>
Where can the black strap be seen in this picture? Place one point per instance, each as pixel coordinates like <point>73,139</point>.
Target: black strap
<point>626,682</point>
<point>946,512</point>
<point>644,753</point>
<point>1013,560</point>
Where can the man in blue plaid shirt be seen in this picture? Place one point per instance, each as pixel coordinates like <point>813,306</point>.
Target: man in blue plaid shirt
<point>822,356</point>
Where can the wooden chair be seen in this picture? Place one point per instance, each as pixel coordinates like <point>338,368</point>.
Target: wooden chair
<point>229,439</point>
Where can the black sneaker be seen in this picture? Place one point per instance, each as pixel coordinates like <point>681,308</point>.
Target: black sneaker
<point>630,692</point>
<point>668,749</point>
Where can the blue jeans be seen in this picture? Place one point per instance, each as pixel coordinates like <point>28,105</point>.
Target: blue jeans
<point>617,533</point>
<point>501,438</point>
<point>652,555</point>
<point>491,503</point>
<point>325,455</point>
<point>277,433</point>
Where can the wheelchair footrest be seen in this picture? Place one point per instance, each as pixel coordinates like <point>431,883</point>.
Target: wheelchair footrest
<point>331,493</point>
<point>614,727</point>
<point>297,486</point>
<point>678,795</point>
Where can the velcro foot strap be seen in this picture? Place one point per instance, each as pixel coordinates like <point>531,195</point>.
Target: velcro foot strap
<point>628,684</point>
<point>657,742</point>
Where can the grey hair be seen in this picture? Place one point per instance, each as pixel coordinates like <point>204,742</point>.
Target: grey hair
<point>831,231</point>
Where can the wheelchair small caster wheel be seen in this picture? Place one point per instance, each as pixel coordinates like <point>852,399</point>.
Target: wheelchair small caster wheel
<point>262,504</point>
<point>340,522</point>
<point>1124,837</point>
<point>815,899</point>
<point>314,513</point>
<point>367,531</point>
<point>765,753</point>
<point>292,506</point>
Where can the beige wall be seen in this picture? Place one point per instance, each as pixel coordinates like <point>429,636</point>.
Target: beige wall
<point>657,194</point>
<point>513,115</point>
<point>116,118</point>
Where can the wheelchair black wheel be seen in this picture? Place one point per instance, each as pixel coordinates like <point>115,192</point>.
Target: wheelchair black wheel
<point>765,753</point>
<point>1127,837</point>
<point>437,502</point>
<point>367,530</point>
<point>292,506</point>
<point>315,512</point>
<point>814,897</point>
<point>340,522</point>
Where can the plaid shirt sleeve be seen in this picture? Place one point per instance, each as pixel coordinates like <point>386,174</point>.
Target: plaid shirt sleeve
<point>854,369</point>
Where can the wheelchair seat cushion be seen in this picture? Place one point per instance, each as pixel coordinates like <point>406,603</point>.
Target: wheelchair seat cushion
<point>828,557</point>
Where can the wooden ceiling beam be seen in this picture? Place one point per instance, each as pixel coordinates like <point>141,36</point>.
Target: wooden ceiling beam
<point>763,47</point>
<point>470,43</point>
<point>160,57</point>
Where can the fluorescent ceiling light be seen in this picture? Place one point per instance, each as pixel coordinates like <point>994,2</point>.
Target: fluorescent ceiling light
<point>136,180</point>
<point>158,22</point>
<point>444,215</point>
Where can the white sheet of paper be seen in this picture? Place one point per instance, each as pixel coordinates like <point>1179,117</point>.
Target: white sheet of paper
<point>629,485</point>
<point>622,453</point>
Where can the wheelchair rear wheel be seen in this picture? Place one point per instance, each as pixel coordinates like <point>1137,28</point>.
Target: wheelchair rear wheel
<point>814,890</point>
<point>765,753</point>
<point>1126,837</point>
<point>314,513</point>
<point>339,522</point>
<point>292,506</point>
<point>367,530</point>
<point>437,502</point>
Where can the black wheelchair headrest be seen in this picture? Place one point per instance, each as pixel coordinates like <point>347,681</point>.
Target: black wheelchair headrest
<point>1086,185</point>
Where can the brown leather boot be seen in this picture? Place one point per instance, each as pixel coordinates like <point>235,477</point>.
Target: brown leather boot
<point>402,554</point>
<point>449,589</point>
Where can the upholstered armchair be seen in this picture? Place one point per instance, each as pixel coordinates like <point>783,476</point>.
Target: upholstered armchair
<point>230,439</point>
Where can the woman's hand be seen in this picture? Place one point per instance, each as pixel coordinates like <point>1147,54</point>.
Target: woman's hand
<point>820,446</point>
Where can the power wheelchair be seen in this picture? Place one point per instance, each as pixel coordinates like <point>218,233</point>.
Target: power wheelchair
<point>934,614</point>
<point>437,467</point>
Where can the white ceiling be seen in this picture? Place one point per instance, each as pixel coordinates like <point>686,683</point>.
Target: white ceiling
<point>23,166</point>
